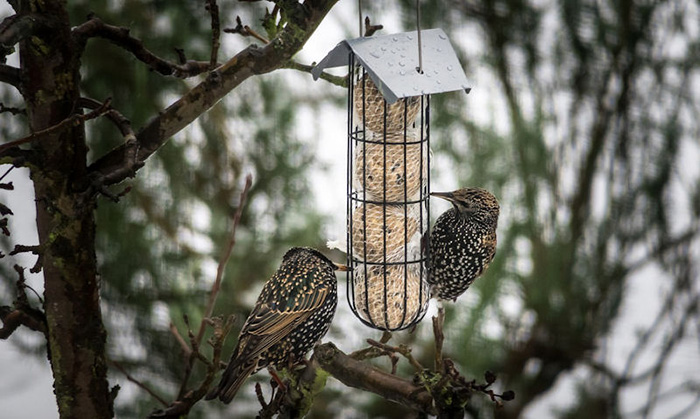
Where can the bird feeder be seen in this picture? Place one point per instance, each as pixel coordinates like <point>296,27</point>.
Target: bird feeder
<point>390,80</point>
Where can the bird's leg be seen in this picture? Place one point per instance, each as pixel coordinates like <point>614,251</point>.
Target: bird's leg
<point>438,323</point>
<point>277,379</point>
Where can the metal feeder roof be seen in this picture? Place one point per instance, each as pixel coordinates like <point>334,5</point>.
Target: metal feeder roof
<point>392,62</point>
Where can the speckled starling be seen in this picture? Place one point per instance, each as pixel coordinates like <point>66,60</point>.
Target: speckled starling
<point>293,312</point>
<point>463,241</point>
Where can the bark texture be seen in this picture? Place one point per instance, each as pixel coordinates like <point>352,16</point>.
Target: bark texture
<point>65,219</point>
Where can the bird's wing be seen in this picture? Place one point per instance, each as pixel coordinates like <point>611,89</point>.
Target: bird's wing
<point>270,324</point>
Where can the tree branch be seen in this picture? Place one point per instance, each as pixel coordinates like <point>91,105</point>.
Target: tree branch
<point>365,377</point>
<point>14,318</point>
<point>225,256</point>
<point>13,29</point>
<point>341,81</point>
<point>9,109</point>
<point>213,10</point>
<point>138,383</point>
<point>438,323</point>
<point>402,349</point>
<point>96,28</point>
<point>249,62</point>
<point>187,398</point>
<point>245,30</point>
<point>371,29</point>
<point>22,314</point>
<point>180,407</point>
<point>10,75</point>
<point>71,121</point>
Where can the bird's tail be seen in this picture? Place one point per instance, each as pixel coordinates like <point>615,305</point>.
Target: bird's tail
<point>231,381</point>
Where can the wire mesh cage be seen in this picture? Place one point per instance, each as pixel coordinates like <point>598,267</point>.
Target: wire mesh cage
<point>390,81</point>
<point>388,206</point>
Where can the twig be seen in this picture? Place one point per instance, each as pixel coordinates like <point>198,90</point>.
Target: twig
<point>225,256</point>
<point>182,405</point>
<point>15,28</point>
<point>213,10</point>
<point>371,29</point>
<point>71,121</point>
<point>131,163</point>
<point>35,250</point>
<point>7,172</point>
<point>404,350</point>
<point>438,323</point>
<point>3,226</point>
<point>95,27</point>
<point>269,410</point>
<point>10,75</point>
<point>119,120</point>
<point>180,340</point>
<point>14,318</point>
<point>244,65</point>
<point>195,340</point>
<point>382,350</point>
<point>259,394</point>
<point>668,347</point>
<point>341,81</point>
<point>13,111</point>
<point>371,351</point>
<point>22,314</point>
<point>138,383</point>
<point>245,30</point>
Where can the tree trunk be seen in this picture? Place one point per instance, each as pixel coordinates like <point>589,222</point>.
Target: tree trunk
<point>65,215</point>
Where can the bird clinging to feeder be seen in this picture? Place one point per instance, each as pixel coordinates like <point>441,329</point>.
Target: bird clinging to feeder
<point>463,241</point>
<point>294,311</point>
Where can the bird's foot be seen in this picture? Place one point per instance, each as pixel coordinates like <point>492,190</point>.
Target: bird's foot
<point>276,379</point>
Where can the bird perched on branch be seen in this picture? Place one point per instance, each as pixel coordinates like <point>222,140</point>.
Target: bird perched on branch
<point>293,312</point>
<point>463,241</point>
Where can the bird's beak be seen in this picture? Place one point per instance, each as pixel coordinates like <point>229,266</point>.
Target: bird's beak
<point>339,267</point>
<point>449,196</point>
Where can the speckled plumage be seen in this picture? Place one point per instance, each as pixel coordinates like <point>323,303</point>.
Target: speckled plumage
<point>292,313</point>
<point>463,241</point>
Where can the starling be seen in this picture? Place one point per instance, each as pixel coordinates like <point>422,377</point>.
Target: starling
<point>293,312</point>
<point>463,241</point>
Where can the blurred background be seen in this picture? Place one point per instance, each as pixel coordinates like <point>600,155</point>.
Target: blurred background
<point>582,120</point>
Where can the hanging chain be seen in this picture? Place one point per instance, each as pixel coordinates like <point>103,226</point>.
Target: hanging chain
<point>420,46</point>
<point>359,13</point>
